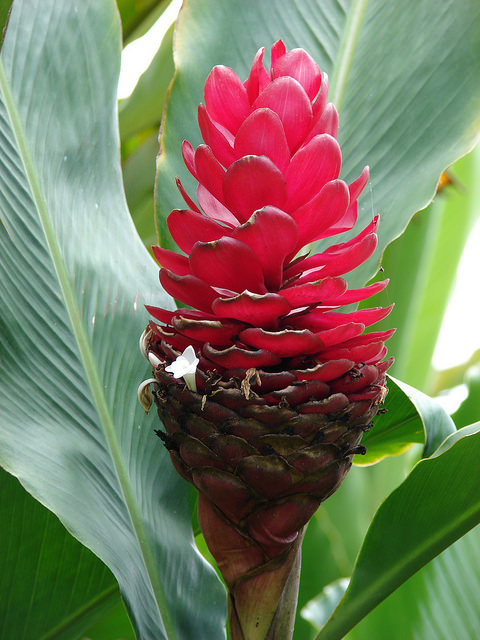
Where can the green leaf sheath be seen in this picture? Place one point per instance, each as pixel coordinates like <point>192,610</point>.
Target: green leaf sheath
<point>405,110</point>
<point>437,504</point>
<point>74,275</point>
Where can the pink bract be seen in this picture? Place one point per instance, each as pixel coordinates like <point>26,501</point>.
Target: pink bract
<point>268,186</point>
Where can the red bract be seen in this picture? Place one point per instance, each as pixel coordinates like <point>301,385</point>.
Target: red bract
<point>287,378</point>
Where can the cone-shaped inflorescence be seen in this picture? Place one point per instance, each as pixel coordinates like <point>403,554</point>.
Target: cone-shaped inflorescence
<point>282,380</point>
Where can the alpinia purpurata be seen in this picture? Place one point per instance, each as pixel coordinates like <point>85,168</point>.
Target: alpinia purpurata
<point>287,381</point>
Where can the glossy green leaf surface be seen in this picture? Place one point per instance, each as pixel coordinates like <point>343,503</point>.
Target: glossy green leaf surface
<point>114,626</point>
<point>50,584</point>
<point>410,528</point>
<point>335,534</point>
<point>411,416</point>
<point>440,601</point>
<point>393,431</point>
<point>403,104</point>
<point>74,279</point>
<point>138,180</point>
<point>421,266</point>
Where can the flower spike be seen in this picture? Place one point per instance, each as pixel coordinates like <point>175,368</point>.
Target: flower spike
<point>282,379</point>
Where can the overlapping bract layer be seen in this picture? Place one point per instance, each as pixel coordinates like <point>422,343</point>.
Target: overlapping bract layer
<point>268,186</point>
<point>287,379</point>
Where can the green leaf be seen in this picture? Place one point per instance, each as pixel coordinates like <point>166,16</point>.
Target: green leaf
<point>318,610</point>
<point>411,417</point>
<point>138,180</point>
<point>74,279</point>
<point>396,430</point>
<point>469,410</point>
<point>422,265</point>
<point>4,10</point>
<point>143,108</point>
<point>139,15</point>
<point>439,601</point>
<point>402,102</point>
<point>114,626</point>
<point>340,524</point>
<point>437,504</point>
<point>50,584</point>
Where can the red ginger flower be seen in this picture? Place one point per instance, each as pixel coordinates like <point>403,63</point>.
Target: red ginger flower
<point>287,380</point>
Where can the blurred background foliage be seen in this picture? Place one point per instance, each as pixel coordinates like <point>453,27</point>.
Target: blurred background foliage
<point>71,594</point>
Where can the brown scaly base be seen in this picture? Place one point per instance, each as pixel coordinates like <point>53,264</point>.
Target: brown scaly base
<point>261,472</point>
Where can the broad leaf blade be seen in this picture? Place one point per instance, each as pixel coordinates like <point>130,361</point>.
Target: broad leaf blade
<point>49,582</point>
<point>402,107</point>
<point>422,266</point>
<point>73,275</point>
<point>436,505</point>
<point>138,16</point>
<point>411,416</point>
<point>440,601</point>
<point>394,431</point>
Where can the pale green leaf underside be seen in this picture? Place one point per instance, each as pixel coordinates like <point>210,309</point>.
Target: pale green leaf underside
<point>74,279</point>
<point>404,76</point>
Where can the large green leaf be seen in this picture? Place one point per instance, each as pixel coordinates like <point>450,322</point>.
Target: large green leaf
<point>437,504</point>
<point>340,524</point>
<point>114,626</point>
<point>138,180</point>
<point>422,266</point>
<point>50,584</point>
<point>405,109</point>
<point>440,601</point>
<point>395,430</point>
<point>139,15</point>
<point>411,416</point>
<point>74,279</point>
<point>469,410</point>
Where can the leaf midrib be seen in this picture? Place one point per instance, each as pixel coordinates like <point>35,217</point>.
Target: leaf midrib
<point>69,622</point>
<point>86,354</point>
<point>346,50</point>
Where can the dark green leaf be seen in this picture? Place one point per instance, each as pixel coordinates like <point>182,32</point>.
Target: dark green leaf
<point>139,15</point>
<point>74,279</point>
<point>335,534</point>
<point>138,180</point>
<point>437,504</point>
<point>440,601</point>
<point>114,626</point>
<point>50,584</point>
<point>394,70</point>
<point>411,417</point>
<point>469,410</point>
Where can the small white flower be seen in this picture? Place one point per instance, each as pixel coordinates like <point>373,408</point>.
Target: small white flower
<point>184,367</point>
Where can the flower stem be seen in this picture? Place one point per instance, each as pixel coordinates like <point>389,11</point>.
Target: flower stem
<point>284,620</point>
